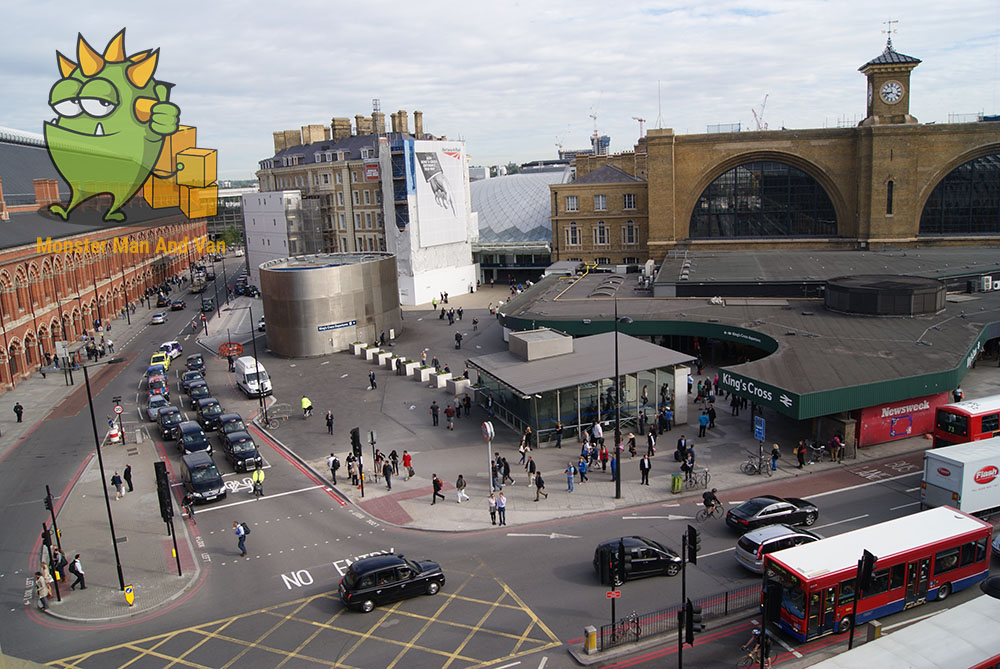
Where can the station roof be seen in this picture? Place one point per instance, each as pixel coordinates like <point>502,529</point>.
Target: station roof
<point>321,261</point>
<point>592,359</point>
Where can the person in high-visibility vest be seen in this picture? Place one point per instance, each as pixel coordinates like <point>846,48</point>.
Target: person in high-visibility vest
<point>258,482</point>
<point>307,407</point>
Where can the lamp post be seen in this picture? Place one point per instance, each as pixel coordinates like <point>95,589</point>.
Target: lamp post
<point>253,339</point>
<point>618,409</point>
<point>225,281</point>
<point>100,462</point>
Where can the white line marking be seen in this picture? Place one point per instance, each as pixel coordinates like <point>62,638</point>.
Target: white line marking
<point>541,665</point>
<point>903,506</point>
<point>838,522</point>
<point>512,664</point>
<point>324,363</point>
<point>266,497</point>
<point>658,517</point>
<point>864,485</point>
<point>787,647</point>
<point>910,490</point>
<point>912,620</point>
<point>724,550</point>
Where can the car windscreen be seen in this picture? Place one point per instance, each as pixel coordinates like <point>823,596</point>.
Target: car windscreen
<point>194,437</point>
<point>246,446</point>
<point>205,474</point>
<point>212,410</point>
<point>754,506</point>
<point>171,418</point>
<point>234,426</point>
<point>254,376</point>
<point>191,377</point>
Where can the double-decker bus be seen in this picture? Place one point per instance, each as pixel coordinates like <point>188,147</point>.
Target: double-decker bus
<point>921,557</point>
<point>969,420</point>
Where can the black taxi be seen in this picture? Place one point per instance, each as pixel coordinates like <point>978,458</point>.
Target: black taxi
<point>388,578</point>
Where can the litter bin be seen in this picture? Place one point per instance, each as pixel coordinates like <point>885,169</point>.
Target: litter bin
<point>676,483</point>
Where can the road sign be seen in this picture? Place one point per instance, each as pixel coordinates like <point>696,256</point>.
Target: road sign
<point>118,408</point>
<point>129,595</point>
<point>758,428</point>
<point>612,594</point>
<point>488,433</point>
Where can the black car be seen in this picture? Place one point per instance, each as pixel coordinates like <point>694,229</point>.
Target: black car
<point>209,411</point>
<point>178,305</point>
<point>191,438</point>
<point>231,422</point>
<point>195,363</point>
<point>162,301</point>
<point>381,579</point>
<point>198,391</point>
<point>190,378</point>
<point>241,451</point>
<point>208,304</point>
<point>771,510</point>
<point>644,557</point>
<point>169,420</point>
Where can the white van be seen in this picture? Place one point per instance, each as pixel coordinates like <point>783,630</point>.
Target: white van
<point>251,377</point>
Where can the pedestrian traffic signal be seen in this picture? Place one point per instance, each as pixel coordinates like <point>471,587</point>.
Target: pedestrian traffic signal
<point>356,441</point>
<point>692,622</point>
<point>693,544</point>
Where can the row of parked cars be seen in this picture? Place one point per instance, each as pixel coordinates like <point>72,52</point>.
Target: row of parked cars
<point>198,471</point>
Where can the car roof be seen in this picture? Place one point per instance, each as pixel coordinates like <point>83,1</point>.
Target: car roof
<point>366,565</point>
<point>198,459</point>
<point>157,397</point>
<point>239,435</point>
<point>158,353</point>
<point>630,542</point>
<point>193,371</point>
<point>189,426</point>
<point>205,401</point>
<point>772,532</point>
<point>226,417</point>
<point>170,408</point>
<point>199,383</point>
<point>172,342</point>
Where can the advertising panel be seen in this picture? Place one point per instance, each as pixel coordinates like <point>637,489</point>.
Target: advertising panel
<point>371,172</point>
<point>440,187</point>
<point>898,420</point>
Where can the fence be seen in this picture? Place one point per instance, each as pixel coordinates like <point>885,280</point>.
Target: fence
<point>720,605</point>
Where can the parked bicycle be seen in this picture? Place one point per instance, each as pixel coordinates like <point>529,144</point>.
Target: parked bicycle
<point>627,627</point>
<point>698,479</point>
<point>756,464</point>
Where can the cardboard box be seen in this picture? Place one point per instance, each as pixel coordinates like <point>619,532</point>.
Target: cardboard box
<point>160,193</point>
<point>196,167</point>
<point>184,138</point>
<point>199,202</point>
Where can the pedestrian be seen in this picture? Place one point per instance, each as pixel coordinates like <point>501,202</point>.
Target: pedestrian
<point>531,468</point>
<point>18,411</point>
<point>529,438</point>
<point>775,454</point>
<point>613,463</point>
<point>387,474</point>
<point>690,383</point>
<point>668,420</point>
<point>505,467</point>
<point>492,504</point>
<point>352,471</point>
<point>458,340</point>
<point>644,466</point>
<point>460,488</point>
<point>800,453</point>
<point>111,346</point>
<point>41,591</point>
<point>437,485</point>
<point>687,465</point>
<point>466,400</point>
<point>307,407</point>
<point>434,304</point>
<point>76,568</point>
<point>50,581</point>
<point>603,457</point>
<point>460,313</point>
<point>441,317</point>
<point>735,404</point>
<point>116,481</point>
<point>570,473</point>
<point>558,432</point>
<point>458,406</point>
<point>408,465</point>
<point>642,420</point>
<point>59,565</point>
<point>232,362</point>
<point>127,475</point>
<point>241,538</point>
<point>711,416</point>
<point>581,466</point>
<point>502,508</point>
<point>475,324</point>
<point>394,461</point>
<point>435,409</point>
<point>329,423</point>
<point>598,432</point>
<point>449,414</point>
<point>333,464</point>
<point>651,442</point>
<point>540,486</point>
<point>496,471</point>
<point>702,423</point>
<point>835,448</point>
<point>631,445</point>
<point>371,379</point>
<point>451,317</point>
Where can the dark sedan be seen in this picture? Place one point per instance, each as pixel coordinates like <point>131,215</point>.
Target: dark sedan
<point>241,451</point>
<point>178,305</point>
<point>190,378</point>
<point>643,557</point>
<point>231,422</point>
<point>198,391</point>
<point>771,510</point>
<point>195,363</point>
<point>382,579</point>
<point>209,411</point>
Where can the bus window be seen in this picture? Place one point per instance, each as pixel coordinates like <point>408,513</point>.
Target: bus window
<point>991,423</point>
<point>846,592</point>
<point>946,560</point>
<point>973,552</point>
<point>896,574</point>
<point>952,423</point>
<point>880,583</point>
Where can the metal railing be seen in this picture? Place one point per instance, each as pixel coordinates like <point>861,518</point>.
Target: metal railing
<point>663,621</point>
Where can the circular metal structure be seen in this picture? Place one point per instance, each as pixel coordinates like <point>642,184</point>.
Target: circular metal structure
<point>885,295</point>
<point>320,304</point>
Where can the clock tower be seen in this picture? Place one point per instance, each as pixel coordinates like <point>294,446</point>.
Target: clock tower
<point>889,87</point>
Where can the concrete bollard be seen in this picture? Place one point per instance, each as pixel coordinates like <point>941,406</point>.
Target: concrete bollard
<point>873,630</point>
<point>589,639</point>
<point>138,435</point>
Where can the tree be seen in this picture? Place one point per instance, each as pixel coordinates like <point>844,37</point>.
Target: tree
<point>513,168</point>
<point>232,236</point>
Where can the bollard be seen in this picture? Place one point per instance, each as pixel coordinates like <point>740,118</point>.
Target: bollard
<point>873,630</point>
<point>589,639</point>
<point>138,435</point>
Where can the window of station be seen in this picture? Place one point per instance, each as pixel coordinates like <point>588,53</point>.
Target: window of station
<point>763,199</point>
<point>966,200</point>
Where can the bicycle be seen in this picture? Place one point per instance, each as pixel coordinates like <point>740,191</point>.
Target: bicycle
<point>756,465</point>
<point>717,511</point>
<point>752,660</point>
<point>628,626</point>
<point>258,489</point>
<point>698,479</point>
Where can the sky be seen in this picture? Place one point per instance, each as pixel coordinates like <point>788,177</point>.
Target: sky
<point>512,79</point>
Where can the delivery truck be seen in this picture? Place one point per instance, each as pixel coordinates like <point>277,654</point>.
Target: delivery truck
<point>966,476</point>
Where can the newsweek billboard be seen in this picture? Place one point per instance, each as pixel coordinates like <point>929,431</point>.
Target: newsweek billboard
<point>440,189</point>
<point>898,420</point>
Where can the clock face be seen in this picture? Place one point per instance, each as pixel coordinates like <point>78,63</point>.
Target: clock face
<point>891,92</point>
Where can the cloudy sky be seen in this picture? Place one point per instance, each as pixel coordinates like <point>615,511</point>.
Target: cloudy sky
<point>511,78</point>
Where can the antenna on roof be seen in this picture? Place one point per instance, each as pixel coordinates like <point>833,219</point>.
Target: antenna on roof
<point>659,102</point>
<point>888,32</point>
<point>377,109</point>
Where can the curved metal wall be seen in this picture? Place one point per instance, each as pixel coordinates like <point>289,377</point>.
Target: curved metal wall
<point>309,310</point>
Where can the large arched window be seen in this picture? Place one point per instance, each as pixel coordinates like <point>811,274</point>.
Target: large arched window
<point>763,199</point>
<point>966,201</point>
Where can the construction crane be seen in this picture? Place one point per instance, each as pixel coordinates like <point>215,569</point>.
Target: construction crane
<point>641,121</point>
<point>759,118</point>
<point>559,146</point>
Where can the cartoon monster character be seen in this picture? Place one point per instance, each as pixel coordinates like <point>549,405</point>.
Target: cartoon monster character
<point>112,120</point>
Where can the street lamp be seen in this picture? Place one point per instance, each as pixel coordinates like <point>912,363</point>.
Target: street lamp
<point>618,409</point>
<point>253,338</point>
<point>100,462</point>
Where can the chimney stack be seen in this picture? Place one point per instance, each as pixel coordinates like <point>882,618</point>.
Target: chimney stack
<point>279,141</point>
<point>394,121</point>
<point>362,125</point>
<point>378,123</point>
<point>418,124</point>
<point>341,128</point>
<point>404,124</point>
<point>43,192</point>
<point>313,133</point>
<point>291,138</point>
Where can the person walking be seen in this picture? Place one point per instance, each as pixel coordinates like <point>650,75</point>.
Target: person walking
<point>352,470</point>
<point>581,467</point>
<point>502,508</point>
<point>407,465</point>
<point>241,538</point>
<point>668,420</point>
<point>775,454</point>
<point>711,416</point>
<point>59,565</point>
<point>18,411</point>
<point>127,475</point>
<point>436,485</point>
<point>329,424</point>
<point>651,442</point>
<point>50,581</point>
<point>435,411</point>
<point>333,463</point>
<point>540,486</point>
<point>570,473</point>
<point>41,591</point>
<point>460,488</point>
<point>459,312</point>
<point>603,457</point>
<point>394,461</point>
<point>492,505</point>
<point>598,433</point>
<point>466,400</point>
<point>387,473</point>
<point>371,379</point>
<point>505,467</point>
<point>76,568</point>
<point>458,340</point>
<point>116,481</point>
<point>644,466</point>
<point>111,346</point>
<point>531,468</point>
<point>449,414</point>
<point>800,453</point>
<point>702,423</point>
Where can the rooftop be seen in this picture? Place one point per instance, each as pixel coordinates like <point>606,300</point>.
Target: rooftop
<point>515,208</point>
<point>321,261</point>
<point>607,174</point>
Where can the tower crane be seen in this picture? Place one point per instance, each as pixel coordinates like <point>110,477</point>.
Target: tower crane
<point>641,121</point>
<point>759,118</point>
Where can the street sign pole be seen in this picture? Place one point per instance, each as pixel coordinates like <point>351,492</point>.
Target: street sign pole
<point>613,595</point>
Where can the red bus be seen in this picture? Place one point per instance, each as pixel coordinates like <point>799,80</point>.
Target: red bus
<point>969,420</point>
<point>921,557</point>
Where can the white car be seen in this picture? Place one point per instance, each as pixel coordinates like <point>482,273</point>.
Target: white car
<point>158,318</point>
<point>172,348</point>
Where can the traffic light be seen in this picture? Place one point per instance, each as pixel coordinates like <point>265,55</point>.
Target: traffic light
<point>692,622</point>
<point>693,544</point>
<point>356,442</point>
<point>48,502</point>
<point>46,536</point>
<point>163,491</point>
<point>867,568</point>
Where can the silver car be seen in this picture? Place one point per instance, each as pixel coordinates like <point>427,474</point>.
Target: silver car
<point>754,545</point>
<point>156,402</point>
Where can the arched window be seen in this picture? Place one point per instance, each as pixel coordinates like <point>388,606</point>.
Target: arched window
<point>763,199</point>
<point>966,200</point>
<point>629,234</point>
<point>600,234</point>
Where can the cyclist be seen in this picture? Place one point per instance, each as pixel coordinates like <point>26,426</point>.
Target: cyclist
<point>754,644</point>
<point>710,500</point>
<point>258,482</point>
<point>307,407</point>
<point>187,506</point>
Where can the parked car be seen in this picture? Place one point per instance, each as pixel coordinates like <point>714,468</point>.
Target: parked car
<point>162,301</point>
<point>251,290</point>
<point>201,478</point>
<point>156,402</point>
<point>198,391</point>
<point>195,363</point>
<point>754,545</point>
<point>771,510</point>
<point>160,358</point>
<point>647,558</point>
<point>381,579</point>
<point>209,411</point>
<point>169,420</point>
<point>159,318</point>
<point>191,438</point>
<point>207,304</point>
<point>231,422</point>
<point>241,451</point>
<point>261,327</point>
<point>189,378</point>
<point>172,348</point>
<point>178,305</point>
